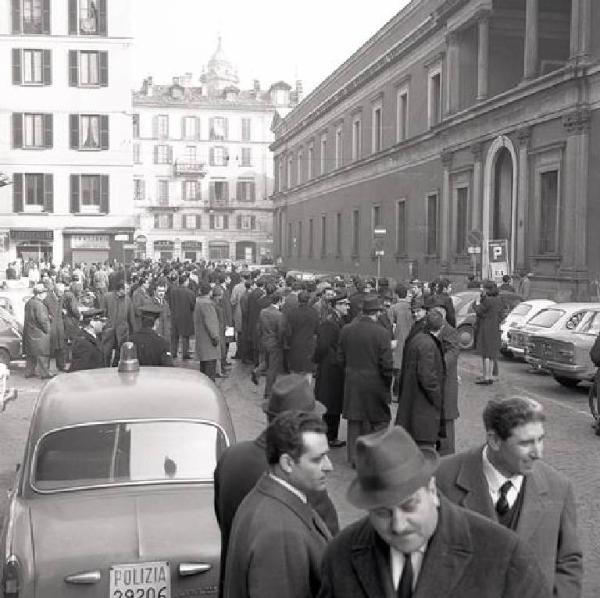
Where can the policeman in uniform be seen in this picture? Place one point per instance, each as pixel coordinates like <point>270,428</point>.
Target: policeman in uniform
<point>87,351</point>
<point>152,349</point>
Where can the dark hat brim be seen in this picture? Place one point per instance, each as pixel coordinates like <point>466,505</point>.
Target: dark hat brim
<point>369,499</point>
<point>319,409</point>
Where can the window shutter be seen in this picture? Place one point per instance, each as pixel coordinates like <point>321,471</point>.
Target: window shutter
<point>17,193</point>
<point>73,17</point>
<point>16,66</point>
<point>253,191</point>
<point>16,16</point>
<point>211,125</point>
<point>73,68</point>
<point>211,153</point>
<point>183,191</point>
<point>47,67</point>
<point>48,131</point>
<point>103,60</point>
<point>238,191</point>
<point>170,154</point>
<point>156,154</point>
<point>48,193</point>
<point>225,128</point>
<point>198,195</point>
<point>156,221</point>
<point>198,222</point>
<point>143,189</point>
<point>17,125</point>
<point>104,193</point>
<point>170,220</point>
<point>46,16</point>
<point>155,127</point>
<point>183,127</point>
<point>253,222</point>
<point>225,221</point>
<point>198,129</point>
<point>226,191</point>
<point>211,189</point>
<point>104,132</point>
<point>102,20</point>
<point>74,131</point>
<point>239,222</point>
<point>212,222</point>
<point>74,204</point>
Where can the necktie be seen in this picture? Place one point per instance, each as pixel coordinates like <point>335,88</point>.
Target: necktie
<point>405,587</point>
<point>502,506</point>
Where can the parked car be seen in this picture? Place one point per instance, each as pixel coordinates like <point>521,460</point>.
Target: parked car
<point>566,353</point>
<point>115,493</point>
<point>14,299</point>
<point>522,312</point>
<point>11,338</point>
<point>561,316</point>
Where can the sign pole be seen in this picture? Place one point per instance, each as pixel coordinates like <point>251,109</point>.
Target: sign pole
<point>378,273</point>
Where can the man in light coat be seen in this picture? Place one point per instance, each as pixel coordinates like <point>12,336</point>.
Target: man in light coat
<point>206,324</point>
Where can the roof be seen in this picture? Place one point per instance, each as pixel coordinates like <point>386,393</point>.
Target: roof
<point>104,395</point>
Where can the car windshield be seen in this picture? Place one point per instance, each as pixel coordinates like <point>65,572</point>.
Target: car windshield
<point>590,325</point>
<point>521,310</point>
<point>546,318</point>
<point>127,452</point>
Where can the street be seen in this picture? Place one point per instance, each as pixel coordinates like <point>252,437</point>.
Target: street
<point>571,446</point>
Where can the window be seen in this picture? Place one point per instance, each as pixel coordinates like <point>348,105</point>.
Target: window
<point>311,237</point>
<point>246,129</point>
<point>31,16</point>
<point>190,153</point>
<point>310,162</point>
<point>163,154</point>
<point>219,221</point>
<point>338,147</point>
<point>33,193</point>
<point>88,131</point>
<point>191,221</point>
<point>434,97</point>
<point>219,156</point>
<point>323,154</point>
<point>246,156</point>
<point>549,212</point>
<point>401,227</point>
<point>31,67</point>
<point>355,232</point>
<point>163,221</point>
<point>356,138</point>
<point>338,234</point>
<point>139,189</point>
<point>377,127</point>
<point>323,236</point>
<point>189,127</point>
<point>432,224</point>
<point>218,129</point>
<point>245,222</point>
<point>88,69</point>
<point>376,216</point>
<point>137,153</point>
<point>32,131</point>
<point>299,159</point>
<point>136,126</point>
<point>87,17</point>
<point>219,192</point>
<point>190,190</point>
<point>299,243</point>
<point>246,191</point>
<point>290,165</point>
<point>402,114</point>
<point>163,191</point>
<point>162,126</point>
<point>89,193</point>
<point>462,219</point>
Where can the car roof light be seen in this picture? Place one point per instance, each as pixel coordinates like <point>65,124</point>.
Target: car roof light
<point>10,578</point>
<point>128,361</point>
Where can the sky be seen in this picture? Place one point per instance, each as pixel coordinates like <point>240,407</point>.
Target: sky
<point>269,40</point>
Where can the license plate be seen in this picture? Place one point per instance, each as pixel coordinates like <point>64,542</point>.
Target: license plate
<point>141,580</point>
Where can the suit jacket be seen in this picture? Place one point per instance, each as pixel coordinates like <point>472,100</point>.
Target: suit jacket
<point>467,557</point>
<point>276,545</point>
<point>547,522</point>
<point>271,328</point>
<point>206,323</point>
<point>183,302</point>
<point>87,353</point>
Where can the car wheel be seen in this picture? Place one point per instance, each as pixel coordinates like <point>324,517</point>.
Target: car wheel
<point>507,353</point>
<point>567,382</point>
<point>465,337</point>
<point>4,357</point>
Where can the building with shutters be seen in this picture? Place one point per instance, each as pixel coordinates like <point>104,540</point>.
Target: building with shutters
<point>202,165</point>
<point>66,130</point>
<point>457,115</point>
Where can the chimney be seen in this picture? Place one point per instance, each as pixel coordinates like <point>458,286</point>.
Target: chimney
<point>299,90</point>
<point>147,86</point>
<point>256,85</point>
<point>175,80</point>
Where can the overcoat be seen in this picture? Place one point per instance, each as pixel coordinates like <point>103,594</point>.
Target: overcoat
<point>365,353</point>
<point>402,318</point>
<point>152,348</point>
<point>236,294</point>
<point>253,312</point>
<point>276,545</point>
<point>36,328</point>
<point>120,322</point>
<point>206,325</point>
<point>547,522</point>
<point>448,337</point>
<point>301,330</point>
<point>140,299</point>
<point>87,353</point>
<point>182,302</point>
<point>487,325</point>
<point>421,397</point>
<point>163,322</point>
<point>467,557</point>
<point>54,303</point>
<point>72,314</point>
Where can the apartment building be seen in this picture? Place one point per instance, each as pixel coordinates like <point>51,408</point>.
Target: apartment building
<point>203,171</point>
<point>66,118</point>
<point>457,117</point>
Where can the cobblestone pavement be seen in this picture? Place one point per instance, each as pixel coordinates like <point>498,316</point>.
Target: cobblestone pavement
<point>571,446</point>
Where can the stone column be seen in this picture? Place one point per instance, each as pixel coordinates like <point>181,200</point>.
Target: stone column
<point>477,195</point>
<point>520,259</point>
<point>452,73</point>
<point>580,28</point>
<point>445,210</point>
<point>58,247</point>
<point>531,39</point>
<point>483,57</point>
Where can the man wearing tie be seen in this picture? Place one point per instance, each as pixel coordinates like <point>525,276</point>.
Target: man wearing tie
<point>506,481</point>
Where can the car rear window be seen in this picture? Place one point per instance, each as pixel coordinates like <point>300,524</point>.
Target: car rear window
<point>521,310</point>
<point>547,318</point>
<point>127,452</point>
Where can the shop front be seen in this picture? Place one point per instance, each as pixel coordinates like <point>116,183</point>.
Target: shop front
<point>246,251</point>
<point>89,249</point>
<point>97,246</point>
<point>218,250</point>
<point>164,250</point>
<point>140,247</point>
<point>33,245</point>
<point>191,250</point>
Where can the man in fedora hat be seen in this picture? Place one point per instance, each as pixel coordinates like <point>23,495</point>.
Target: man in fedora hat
<point>87,351</point>
<point>414,543</point>
<point>365,352</point>
<point>277,540</point>
<point>242,465</point>
<point>36,334</point>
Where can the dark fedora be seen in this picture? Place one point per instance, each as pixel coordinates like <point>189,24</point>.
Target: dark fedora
<point>292,391</point>
<point>91,314</point>
<point>340,295</point>
<point>390,467</point>
<point>371,304</point>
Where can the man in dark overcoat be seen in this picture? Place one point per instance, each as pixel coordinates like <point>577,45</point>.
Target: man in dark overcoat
<point>182,301</point>
<point>329,382</point>
<point>277,538</point>
<point>365,353</point>
<point>253,312</point>
<point>54,303</point>
<point>242,464</point>
<point>415,542</point>
<point>120,322</point>
<point>301,335</point>
<point>152,348</point>
<point>36,334</point>
<point>206,325</point>
<point>87,350</point>
<point>422,379</point>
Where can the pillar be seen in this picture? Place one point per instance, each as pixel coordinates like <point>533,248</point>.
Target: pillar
<point>483,53</point>
<point>232,250</point>
<point>477,195</point>
<point>520,259</point>
<point>581,17</point>
<point>445,208</point>
<point>452,73</point>
<point>531,39</point>
<point>58,247</point>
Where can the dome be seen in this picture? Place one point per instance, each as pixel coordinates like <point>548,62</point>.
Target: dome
<point>220,71</point>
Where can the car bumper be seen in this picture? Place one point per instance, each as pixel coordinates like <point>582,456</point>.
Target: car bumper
<point>519,351</point>
<point>537,363</point>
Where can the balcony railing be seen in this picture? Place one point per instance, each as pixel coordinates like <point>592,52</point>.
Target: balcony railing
<point>190,169</point>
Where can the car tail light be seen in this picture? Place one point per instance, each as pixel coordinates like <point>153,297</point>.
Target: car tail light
<point>11,577</point>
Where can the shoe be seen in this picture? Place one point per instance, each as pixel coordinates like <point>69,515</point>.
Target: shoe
<point>254,378</point>
<point>484,382</point>
<point>337,443</point>
<point>228,364</point>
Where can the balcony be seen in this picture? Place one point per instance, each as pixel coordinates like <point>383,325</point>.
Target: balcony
<point>218,204</point>
<point>189,169</point>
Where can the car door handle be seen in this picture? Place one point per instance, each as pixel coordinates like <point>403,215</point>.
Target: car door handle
<point>186,569</point>
<point>87,577</point>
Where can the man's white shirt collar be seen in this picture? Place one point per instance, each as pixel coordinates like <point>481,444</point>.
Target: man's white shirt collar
<point>495,480</point>
<point>289,487</point>
<point>397,560</point>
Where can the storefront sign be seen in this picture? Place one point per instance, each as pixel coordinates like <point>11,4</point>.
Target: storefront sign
<point>90,242</point>
<point>32,235</point>
<point>164,245</point>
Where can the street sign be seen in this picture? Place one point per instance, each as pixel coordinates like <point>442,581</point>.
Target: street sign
<point>498,258</point>
<point>379,252</point>
<point>475,237</point>
<point>379,232</point>
<point>122,238</point>
<point>129,246</point>
<point>474,249</point>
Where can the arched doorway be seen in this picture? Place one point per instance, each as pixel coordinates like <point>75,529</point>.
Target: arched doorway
<point>500,198</point>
